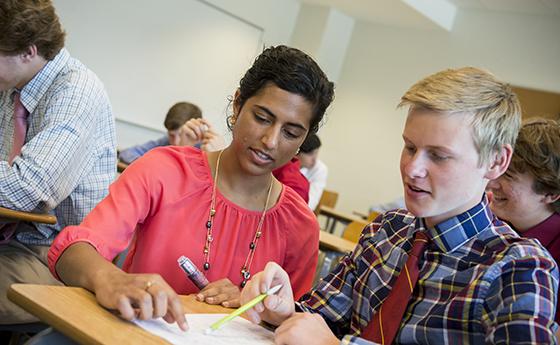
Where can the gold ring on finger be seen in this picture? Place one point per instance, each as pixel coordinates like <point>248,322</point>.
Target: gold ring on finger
<point>149,284</point>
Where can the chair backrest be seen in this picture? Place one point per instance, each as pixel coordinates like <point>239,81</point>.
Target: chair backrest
<point>13,215</point>
<point>372,215</point>
<point>353,230</point>
<point>328,198</point>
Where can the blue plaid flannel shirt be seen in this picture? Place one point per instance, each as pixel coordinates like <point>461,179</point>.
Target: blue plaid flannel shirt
<point>479,283</point>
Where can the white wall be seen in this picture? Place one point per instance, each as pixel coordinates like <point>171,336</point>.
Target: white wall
<point>362,137</point>
<point>276,17</point>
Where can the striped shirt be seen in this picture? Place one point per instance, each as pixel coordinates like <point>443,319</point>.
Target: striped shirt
<point>479,283</point>
<point>69,156</point>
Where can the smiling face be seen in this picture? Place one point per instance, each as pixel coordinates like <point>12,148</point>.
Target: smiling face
<point>515,201</point>
<point>269,129</point>
<point>440,166</point>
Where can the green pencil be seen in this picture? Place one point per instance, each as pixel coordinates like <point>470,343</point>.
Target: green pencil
<point>218,324</point>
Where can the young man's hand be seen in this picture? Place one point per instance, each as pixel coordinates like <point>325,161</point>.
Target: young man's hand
<point>212,141</point>
<point>192,132</point>
<point>276,308</point>
<point>305,328</point>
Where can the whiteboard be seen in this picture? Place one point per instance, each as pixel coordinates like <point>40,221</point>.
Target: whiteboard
<point>152,54</point>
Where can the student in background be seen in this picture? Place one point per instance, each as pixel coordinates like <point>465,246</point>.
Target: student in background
<point>447,270</point>
<point>223,210</point>
<point>177,116</point>
<point>527,195</point>
<point>290,175</point>
<point>314,170</point>
<point>57,142</point>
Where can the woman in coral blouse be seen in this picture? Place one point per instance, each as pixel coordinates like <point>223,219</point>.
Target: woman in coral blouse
<point>223,210</point>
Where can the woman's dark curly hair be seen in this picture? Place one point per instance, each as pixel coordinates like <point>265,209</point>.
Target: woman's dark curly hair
<point>291,70</point>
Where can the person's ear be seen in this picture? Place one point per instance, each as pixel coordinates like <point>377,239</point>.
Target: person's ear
<point>499,163</point>
<point>550,198</point>
<point>29,54</point>
<point>236,107</point>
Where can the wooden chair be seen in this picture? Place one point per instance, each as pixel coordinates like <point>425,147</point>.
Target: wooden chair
<point>353,230</point>
<point>19,331</point>
<point>369,217</point>
<point>328,198</point>
<point>7,214</point>
<point>121,166</point>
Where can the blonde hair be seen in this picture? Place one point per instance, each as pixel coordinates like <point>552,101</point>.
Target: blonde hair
<point>495,109</point>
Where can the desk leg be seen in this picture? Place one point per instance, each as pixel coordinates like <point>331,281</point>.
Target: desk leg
<point>330,225</point>
<point>329,261</point>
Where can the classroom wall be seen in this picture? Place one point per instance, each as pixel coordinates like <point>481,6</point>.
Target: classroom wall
<point>361,139</point>
<point>277,18</point>
<point>361,135</point>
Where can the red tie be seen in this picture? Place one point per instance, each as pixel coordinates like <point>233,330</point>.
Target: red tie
<point>385,324</point>
<point>20,128</point>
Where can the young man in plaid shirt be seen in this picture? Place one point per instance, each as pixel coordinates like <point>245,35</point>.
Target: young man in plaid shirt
<point>474,280</point>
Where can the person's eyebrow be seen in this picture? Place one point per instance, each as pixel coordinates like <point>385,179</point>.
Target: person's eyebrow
<point>270,113</point>
<point>444,149</point>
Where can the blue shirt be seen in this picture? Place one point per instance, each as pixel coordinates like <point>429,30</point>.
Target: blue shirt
<point>68,159</point>
<point>130,154</point>
<point>479,283</point>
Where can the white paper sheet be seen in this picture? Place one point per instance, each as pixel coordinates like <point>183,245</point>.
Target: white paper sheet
<point>237,331</point>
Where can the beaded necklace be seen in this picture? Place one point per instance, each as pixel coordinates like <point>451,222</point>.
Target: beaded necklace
<point>246,268</point>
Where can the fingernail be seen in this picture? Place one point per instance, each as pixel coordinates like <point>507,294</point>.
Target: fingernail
<point>199,297</point>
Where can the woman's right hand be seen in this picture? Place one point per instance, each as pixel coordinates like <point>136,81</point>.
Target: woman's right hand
<point>276,308</point>
<point>142,296</point>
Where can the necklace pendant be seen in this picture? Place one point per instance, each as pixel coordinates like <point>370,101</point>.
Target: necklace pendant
<point>245,274</point>
<point>206,266</point>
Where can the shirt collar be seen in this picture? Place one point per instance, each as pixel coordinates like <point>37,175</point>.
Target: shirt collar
<point>454,232</point>
<point>546,231</point>
<point>34,90</point>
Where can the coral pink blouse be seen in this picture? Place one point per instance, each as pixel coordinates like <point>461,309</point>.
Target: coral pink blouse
<point>161,203</point>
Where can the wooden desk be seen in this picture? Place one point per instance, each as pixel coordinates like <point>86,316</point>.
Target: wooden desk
<point>330,242</point>
<point>6,213</point>
<point>76,313</point>
<point>336,216</point>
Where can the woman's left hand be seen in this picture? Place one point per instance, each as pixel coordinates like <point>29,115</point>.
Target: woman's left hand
<point>220,292</point>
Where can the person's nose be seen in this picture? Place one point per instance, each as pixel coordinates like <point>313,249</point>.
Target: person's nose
<point>415,166</point>
<point>271,137</point>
